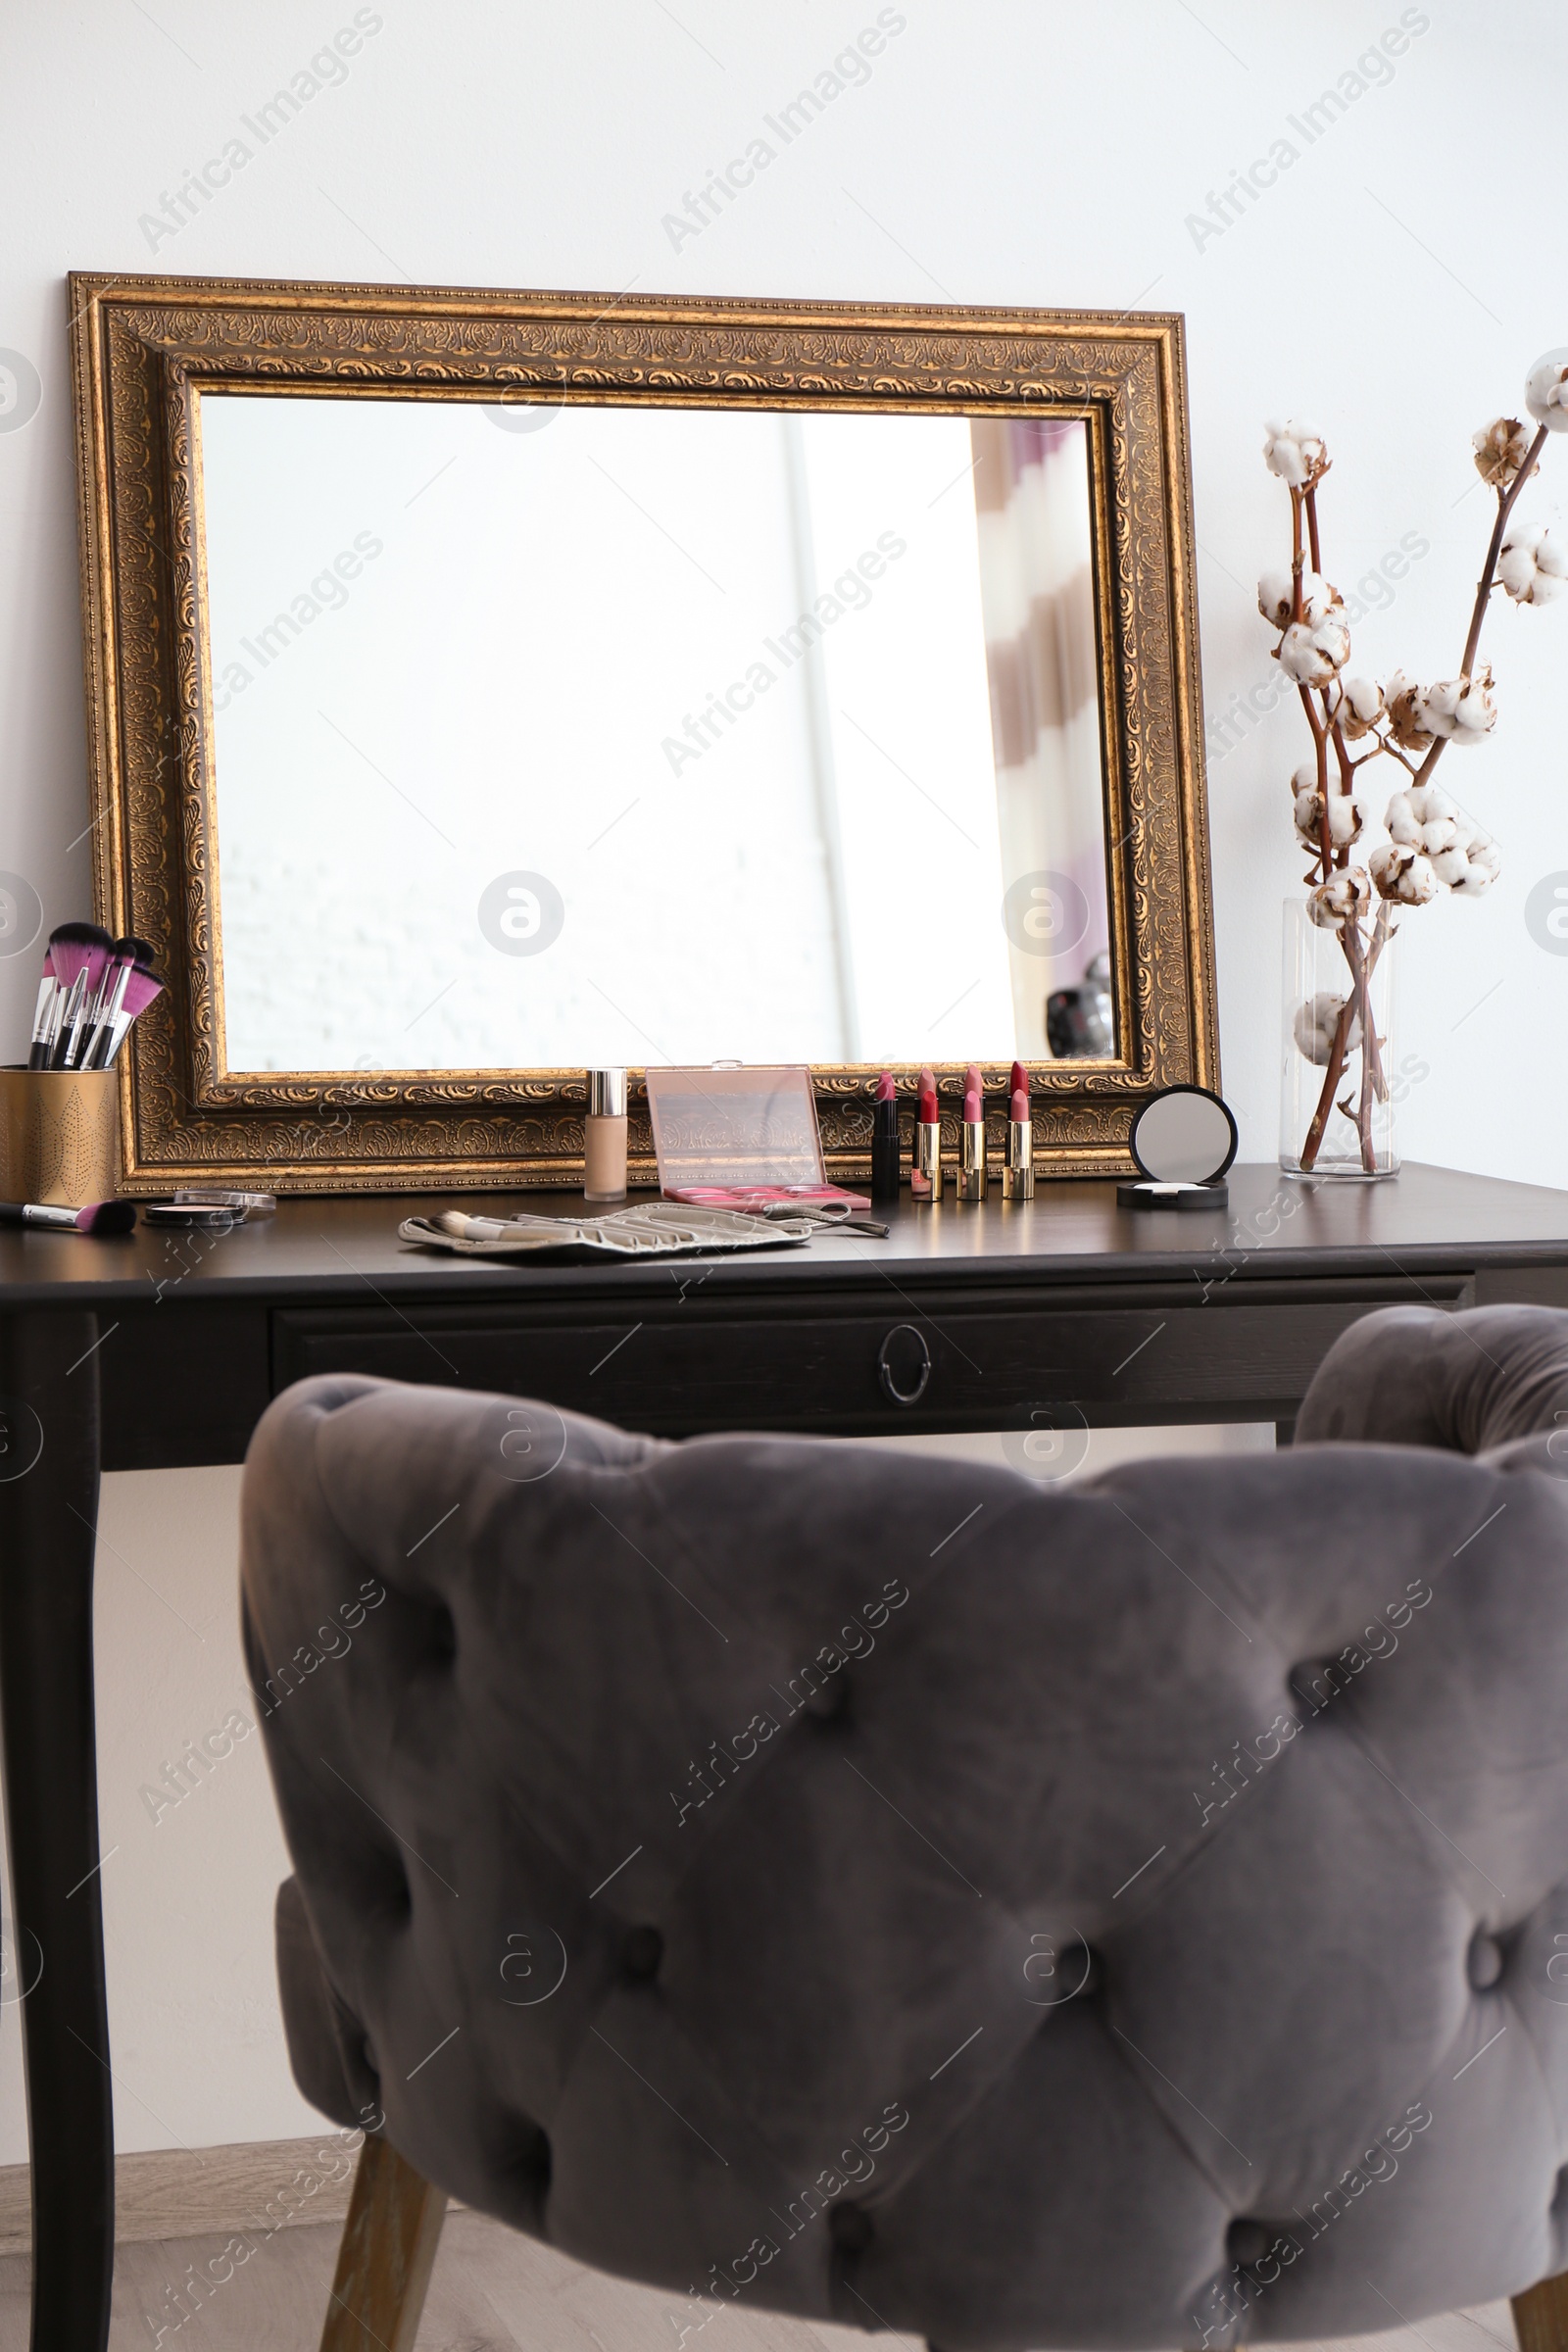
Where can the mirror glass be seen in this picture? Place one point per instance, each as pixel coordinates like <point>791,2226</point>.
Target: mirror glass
<point>561,736</point>
<point>1183,1137</point>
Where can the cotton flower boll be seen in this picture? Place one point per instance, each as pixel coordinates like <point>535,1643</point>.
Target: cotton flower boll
<point>1485,861</point>
<point>1470,866</point>
<point>1501,448</point>
<point>1344,894</point>
<point>1429,802</point>
<point>1533,568</point>
<point>1402,875</point>
<point>1435,705</point>
<point>1321,601</point>
<point>1345,818</point>
<point>1357,704</point>
<point>1461,710</point>
<point>1276,598</point>
<point>1407,717</point>
<point>1474,713</point>
<point>1295,453</point>
<point>1547,391</point>
<point>1312,656</point>
<point>1315,1024</point>
<point>1402,823</point>
<point>1440,834</point>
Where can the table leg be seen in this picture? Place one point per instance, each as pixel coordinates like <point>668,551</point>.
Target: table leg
<point>48,1519</point>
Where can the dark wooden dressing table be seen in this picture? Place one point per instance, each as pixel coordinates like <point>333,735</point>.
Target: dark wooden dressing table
<point>161,1350</point>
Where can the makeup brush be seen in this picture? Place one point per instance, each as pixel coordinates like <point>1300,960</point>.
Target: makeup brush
<point>99,1216</point>
<point>44,1016</point>
<point>81,952</point>
<point>885,1140</point>
<point>141,988</point>
<point>123,957</point>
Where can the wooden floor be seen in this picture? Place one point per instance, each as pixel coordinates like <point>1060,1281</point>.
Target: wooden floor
<point>494,2292</point>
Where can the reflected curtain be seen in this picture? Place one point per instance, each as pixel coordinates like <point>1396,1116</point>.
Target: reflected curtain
<point>1031,485</point>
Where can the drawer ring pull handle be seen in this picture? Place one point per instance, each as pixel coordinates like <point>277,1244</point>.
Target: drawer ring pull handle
<point>902,1330</point>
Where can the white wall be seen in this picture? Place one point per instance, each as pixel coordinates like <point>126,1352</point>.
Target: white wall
<point>1393,285</point>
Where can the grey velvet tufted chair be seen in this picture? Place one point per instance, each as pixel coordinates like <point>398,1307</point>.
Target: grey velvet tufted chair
<point>894,1891</point>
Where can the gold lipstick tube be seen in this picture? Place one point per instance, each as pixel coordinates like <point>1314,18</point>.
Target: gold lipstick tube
<point>972,1159</point>
<point>1018,1171</point>
<point>925,1166</point>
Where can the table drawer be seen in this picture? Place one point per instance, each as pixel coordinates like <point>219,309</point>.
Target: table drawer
<point>679,1369</point>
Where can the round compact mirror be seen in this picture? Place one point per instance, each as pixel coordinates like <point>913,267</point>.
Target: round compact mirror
<point>1183,1140</point>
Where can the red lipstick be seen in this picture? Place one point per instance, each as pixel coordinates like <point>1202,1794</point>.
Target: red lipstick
<point>925,1166</point>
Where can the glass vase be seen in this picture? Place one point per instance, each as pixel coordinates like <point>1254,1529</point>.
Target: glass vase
<point>1336,1110</point>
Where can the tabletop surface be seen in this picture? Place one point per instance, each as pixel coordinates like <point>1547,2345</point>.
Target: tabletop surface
<point>324,1249</point>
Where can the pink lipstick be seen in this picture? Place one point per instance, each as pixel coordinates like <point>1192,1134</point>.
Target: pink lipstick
<point>1019,1169</point>
<point>972,1140</point>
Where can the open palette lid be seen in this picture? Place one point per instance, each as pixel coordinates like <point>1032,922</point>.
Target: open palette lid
<point>734,1127</point>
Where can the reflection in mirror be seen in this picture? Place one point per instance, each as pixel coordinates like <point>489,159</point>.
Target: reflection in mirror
<point>597,734</point>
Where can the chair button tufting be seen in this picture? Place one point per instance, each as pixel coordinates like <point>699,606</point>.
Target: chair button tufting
<point>1246,2242</point>
<point>831,1700</point>
<point>849,2227</point>
<point>641,1952</point>
<point>1483,1965</point>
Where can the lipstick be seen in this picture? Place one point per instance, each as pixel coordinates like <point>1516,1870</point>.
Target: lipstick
<point>1018,1171</point>
<point>925,1165</point>
<point>972,1143</point>
<point>885,1140</point>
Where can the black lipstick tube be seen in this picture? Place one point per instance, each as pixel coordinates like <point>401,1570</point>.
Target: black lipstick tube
<point>885,1152</point>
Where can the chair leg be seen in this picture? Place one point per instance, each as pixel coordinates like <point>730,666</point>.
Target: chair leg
<point>1541,2316</point>
<point>386,2255</point>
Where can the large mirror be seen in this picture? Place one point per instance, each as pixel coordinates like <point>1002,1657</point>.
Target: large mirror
<point>487,687</point>
<point>550,734</point>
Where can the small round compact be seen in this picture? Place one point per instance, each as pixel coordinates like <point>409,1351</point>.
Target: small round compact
<point>1184,1139</point>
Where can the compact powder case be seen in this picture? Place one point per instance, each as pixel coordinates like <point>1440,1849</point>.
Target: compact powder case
<point>1184,1139</point>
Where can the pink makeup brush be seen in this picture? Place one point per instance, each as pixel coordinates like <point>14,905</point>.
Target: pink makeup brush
<point>141,987</point>
<point>79,952</point>
<point>124,956</point>
<point>99,1216</point>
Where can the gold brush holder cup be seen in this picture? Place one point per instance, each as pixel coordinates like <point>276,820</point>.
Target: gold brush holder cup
<point>59,1136</point>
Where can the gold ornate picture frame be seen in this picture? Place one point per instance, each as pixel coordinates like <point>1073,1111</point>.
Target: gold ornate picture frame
<point>143,348</point>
